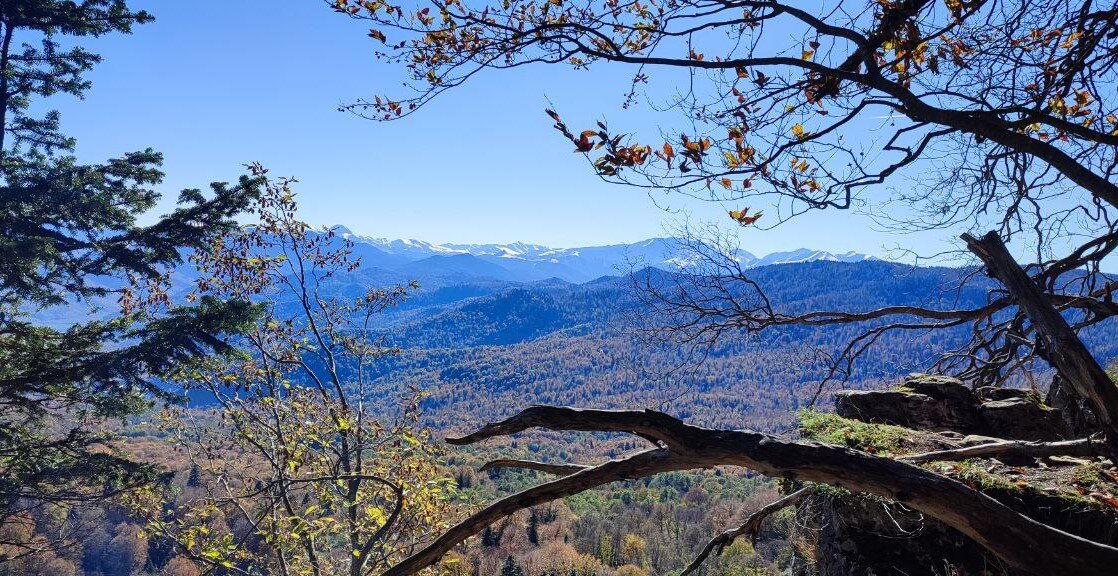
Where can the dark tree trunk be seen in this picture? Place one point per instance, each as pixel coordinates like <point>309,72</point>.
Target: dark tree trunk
<point>1019,541</point>
<point>1057,342</point>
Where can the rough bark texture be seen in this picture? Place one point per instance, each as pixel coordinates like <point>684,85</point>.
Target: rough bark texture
<point>1058,343</point>
<point>1018,541</point>
<point>1009,448</point>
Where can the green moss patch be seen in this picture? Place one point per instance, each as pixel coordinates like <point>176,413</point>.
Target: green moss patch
<point>832,429</point>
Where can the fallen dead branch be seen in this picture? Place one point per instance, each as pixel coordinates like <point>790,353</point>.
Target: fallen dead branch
<point>1016,448</point>
<point>1017,540</point>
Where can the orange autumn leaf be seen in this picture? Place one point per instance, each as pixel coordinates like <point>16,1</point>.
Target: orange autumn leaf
<point>1107,498</point>
<point>742,216</point>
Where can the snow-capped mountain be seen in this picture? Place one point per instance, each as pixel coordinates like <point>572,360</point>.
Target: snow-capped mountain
<point>808,255</point>
<point>528,262</point>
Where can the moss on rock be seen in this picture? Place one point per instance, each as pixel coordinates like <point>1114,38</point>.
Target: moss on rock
<point>833,429</point>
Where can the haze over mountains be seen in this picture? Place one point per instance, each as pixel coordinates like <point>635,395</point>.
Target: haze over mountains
<point>531,262</point>
<point>484,349</point>
<point>495,327</point>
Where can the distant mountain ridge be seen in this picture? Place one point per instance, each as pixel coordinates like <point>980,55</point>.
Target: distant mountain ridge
<point>520,261</point>
<point>489,352</point>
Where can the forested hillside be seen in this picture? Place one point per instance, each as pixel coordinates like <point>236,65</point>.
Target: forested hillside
<point>501,347</point>
<point>223,383</point>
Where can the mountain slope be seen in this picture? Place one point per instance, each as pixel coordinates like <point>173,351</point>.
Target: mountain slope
<point>577,344</point>
<point>524,262</point>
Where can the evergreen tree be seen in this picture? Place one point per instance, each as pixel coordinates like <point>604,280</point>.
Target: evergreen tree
<point>534,528</point>
<point>194,480</point>
<point>71,237</point>
<point>511,568</point>
<point>490,538</point>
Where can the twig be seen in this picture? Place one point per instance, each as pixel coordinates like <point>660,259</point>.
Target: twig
<point>751,527</point>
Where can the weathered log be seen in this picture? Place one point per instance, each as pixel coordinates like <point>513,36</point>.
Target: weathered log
<point>1011,448</point>
<point>1017,540</point>
<point>1058,343</point>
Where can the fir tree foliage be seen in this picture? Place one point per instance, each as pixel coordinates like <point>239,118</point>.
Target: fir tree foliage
<point>72,236</point>
<point>490,538</point>
<point>511,568</point>
<point>36,64</point>
<point>534,528</point>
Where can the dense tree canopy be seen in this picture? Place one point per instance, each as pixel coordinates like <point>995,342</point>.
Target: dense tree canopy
<point>73,237</point>
<point>978,115</point>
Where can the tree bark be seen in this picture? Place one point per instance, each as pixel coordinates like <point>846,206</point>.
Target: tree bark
<point>1014,448</point>
<point>1057,342</point>
<point>1017,540</point>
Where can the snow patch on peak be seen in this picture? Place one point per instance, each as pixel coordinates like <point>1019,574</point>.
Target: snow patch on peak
<point>507,252</point>
<point>579,264</point>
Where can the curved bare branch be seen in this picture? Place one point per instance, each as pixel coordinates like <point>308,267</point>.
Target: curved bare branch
<point>1018,540</point>
<point>1016,448</point>
<point>751,527</point>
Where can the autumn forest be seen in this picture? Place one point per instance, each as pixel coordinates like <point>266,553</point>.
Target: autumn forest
<point>227,380</point>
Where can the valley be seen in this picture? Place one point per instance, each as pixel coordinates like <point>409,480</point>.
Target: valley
<point>485,342</point>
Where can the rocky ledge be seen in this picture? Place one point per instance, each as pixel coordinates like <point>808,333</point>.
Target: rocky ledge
<point>941,403</point>
<point>859,535</point>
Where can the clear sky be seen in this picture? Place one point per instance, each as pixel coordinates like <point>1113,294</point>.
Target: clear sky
<point>215,84</point>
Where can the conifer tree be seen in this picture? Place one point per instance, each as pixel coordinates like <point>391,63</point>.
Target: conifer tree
<point>511,568</point>
<point>490,537</point>
<point>534,528</point>
<point>72,237</point>
<point>194,479</point>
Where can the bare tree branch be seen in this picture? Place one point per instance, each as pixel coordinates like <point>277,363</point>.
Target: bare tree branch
<point>1018,448</point>
<point>751,528</point>
<point>1019,541</point>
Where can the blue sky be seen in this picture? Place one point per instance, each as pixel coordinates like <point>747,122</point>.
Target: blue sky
<point>217,84</point>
